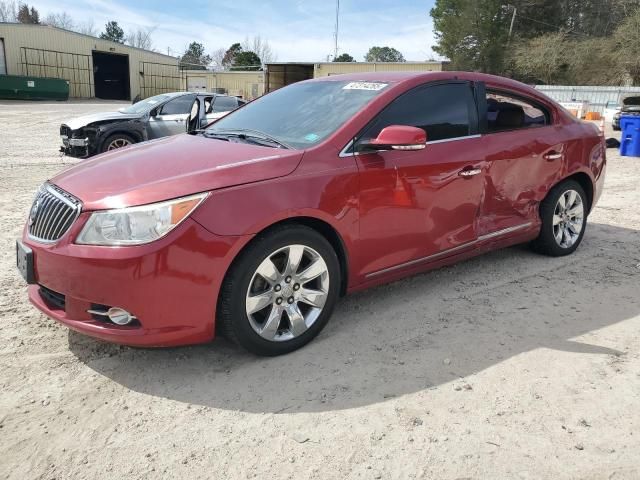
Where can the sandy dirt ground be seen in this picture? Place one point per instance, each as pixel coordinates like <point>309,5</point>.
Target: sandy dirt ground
<point>507,366</point>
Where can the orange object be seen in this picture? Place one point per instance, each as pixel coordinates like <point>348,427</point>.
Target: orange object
<point>593,116</point>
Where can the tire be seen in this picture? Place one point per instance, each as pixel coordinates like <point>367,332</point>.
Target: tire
<point>248,312</point>
<point>562,227</point>
<point>114,139</point>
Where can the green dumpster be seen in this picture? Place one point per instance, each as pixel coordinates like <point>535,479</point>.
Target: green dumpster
<point>15,87</point>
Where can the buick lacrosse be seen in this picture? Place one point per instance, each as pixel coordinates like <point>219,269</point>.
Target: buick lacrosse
<point>254,226</point>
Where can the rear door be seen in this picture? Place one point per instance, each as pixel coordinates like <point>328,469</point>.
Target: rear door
<point>171,118</point>
<point>524,153</point>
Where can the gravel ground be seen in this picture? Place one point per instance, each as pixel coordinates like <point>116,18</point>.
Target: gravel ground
<point>510,365</point>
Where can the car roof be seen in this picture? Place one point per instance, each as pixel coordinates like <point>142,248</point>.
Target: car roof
<point>424,77</point>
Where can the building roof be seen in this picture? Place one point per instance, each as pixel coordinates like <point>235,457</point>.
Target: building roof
<point>71,32</point>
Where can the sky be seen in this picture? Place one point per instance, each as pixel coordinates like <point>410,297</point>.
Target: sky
<point>297,30</point>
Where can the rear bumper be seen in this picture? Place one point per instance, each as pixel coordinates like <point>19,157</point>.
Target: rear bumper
<point>170,285</point>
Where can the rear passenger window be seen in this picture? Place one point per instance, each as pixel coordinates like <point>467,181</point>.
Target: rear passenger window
<point>505,112</point>
<point>442,111</point>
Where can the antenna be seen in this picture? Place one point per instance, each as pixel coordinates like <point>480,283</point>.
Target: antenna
<point>335,33</point>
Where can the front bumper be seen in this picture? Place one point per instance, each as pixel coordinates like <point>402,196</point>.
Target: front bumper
<point>170,285</point>
<point>75,147</point>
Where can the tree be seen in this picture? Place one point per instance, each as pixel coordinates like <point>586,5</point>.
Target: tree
<point>60,20</point>
<point>141,38</point>
<point>383,54</point>
<point>87,28</point>
<point>626,47</point>
<point>8,11</point>
<point>230,54</point>
<point>260,47</point>
<point>246,61</point>
<point>472,33</point>
<point>542,59</point>
<point>113,32</point>
<point>194,57</point>
<point>345,57</point>
<point>217,56</point>
<point>26,15</point>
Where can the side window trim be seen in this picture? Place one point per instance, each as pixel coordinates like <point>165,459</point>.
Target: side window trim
<point>474,119</point>
<point>484,127</point>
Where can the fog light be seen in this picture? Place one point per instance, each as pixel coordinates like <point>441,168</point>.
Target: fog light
<point>119,316</point>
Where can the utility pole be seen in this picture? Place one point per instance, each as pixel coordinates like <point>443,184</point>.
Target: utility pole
<point>335,34</point>
<point>513,19</point>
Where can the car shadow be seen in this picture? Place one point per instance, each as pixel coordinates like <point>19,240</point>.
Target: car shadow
<point>405,337</point>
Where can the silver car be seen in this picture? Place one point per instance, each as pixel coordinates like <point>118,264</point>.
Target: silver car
<point>154,117</point>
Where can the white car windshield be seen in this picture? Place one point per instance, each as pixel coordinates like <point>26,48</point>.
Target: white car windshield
<point>303,114</point>
<point>146,105</point>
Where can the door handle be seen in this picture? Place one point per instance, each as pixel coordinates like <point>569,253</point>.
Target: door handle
<point>552,156</point>
<point>469,172</point>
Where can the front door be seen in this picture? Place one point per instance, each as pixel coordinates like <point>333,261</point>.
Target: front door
<point>421,205</point>
<point>171,118</point>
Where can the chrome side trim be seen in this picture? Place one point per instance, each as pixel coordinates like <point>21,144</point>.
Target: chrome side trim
<point>455,139</point>
<point>504,231</point>
<point>344,153</point>
<point>421,260</point>
<point>449,251</point>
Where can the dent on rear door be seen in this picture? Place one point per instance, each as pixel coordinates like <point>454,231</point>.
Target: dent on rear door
<point>518,176</point>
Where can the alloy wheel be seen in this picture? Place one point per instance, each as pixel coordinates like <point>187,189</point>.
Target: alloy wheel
<point>568,219</point>
<point>287,293</point>
<point>118,143</point>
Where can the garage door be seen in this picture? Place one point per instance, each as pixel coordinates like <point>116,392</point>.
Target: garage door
<point>197,84</point>
<point>3,62</point>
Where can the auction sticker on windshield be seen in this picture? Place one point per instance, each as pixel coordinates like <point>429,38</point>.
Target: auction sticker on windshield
<point>364,86</point>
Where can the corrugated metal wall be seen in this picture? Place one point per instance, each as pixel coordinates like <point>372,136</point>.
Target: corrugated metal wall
<point>33,46</point>
<point>598,97</point>
<point>247,85</point>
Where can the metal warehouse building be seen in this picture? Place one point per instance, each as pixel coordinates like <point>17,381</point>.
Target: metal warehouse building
<point>93,67</point>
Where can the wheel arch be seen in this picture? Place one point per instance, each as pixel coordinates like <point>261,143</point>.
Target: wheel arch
<point>122,131</point>
<point>320,226</point>
<point>585,182</point>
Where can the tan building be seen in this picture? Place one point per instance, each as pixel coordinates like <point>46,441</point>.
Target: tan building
<point>247,85</point>
<point>93,67</point>
<point>278,75</point>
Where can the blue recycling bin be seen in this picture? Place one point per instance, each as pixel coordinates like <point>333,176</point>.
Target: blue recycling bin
<point>630,141</point>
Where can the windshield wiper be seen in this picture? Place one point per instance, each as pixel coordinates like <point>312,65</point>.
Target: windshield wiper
<point>254,136</point>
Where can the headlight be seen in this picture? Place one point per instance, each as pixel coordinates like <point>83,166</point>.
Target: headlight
<point>137,225</point>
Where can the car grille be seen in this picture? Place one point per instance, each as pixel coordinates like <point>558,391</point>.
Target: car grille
<point>52,214</point>
<point>65,130</point>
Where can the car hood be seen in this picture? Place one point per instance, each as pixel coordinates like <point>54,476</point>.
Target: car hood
<point>85,120</point>
<point>171,167</point>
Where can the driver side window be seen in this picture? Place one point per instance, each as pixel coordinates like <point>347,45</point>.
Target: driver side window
<point>443,111</point>
<point>178,106</point>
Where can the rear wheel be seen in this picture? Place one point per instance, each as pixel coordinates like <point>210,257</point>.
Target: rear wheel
<point>280,292</point>
<point>564,220</point>
<point>117,140</point>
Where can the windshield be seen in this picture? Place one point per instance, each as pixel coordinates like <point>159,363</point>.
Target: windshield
<point>303,114</point>
<point>145,105</point>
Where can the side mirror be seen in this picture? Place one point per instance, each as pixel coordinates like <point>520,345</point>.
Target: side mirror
<point>398,137</point>
<point>153,112</point>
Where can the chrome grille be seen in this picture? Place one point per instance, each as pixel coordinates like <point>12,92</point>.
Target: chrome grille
<point>52,213</point>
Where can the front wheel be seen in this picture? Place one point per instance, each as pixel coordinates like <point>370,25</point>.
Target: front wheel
<point>115,141</point>
<point>280,292</point>
<point>564,220</point>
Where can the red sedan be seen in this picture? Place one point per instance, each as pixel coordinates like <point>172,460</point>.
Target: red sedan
<point>255,226</point>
